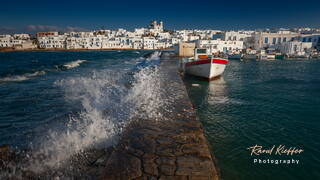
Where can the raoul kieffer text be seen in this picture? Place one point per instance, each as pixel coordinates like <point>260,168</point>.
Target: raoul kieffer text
<point>274,150</point>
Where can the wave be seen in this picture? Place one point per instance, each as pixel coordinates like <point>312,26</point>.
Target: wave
<point>23,77</point>
<point>149,60</point>
<point>108,106</point>
<point>154,56</point>
<point>27,76</point>
<point>74,64</point>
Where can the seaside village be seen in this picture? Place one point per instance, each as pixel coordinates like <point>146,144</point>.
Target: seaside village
<point>258,44</point>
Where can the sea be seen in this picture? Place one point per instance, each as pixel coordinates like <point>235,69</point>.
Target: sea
<point>54,105</point>
<point>263,103</point>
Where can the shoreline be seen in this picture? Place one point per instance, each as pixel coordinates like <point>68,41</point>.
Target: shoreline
<point>76,50</point>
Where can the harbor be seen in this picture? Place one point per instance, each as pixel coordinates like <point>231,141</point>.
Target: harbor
<point>159,90</point>
<point>262,44</point>
<point>176,139</point>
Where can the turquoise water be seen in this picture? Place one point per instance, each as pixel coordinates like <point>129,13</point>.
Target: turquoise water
<point>262,103</point>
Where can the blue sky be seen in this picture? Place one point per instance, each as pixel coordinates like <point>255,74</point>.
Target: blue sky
<point>32,15</point>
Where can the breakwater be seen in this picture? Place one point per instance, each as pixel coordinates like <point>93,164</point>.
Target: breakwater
<point>172,149</point>
<point>127,116</point>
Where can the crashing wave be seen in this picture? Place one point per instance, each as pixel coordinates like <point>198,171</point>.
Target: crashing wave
<point>108,106</point>
<point>22,77</point>
<point>74,64</point>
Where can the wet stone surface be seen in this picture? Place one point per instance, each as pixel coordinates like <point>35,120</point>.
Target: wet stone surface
<point>172,149</point>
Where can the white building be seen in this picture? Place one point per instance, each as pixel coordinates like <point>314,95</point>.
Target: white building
<point>140,31</point>
<point>149,42</point>
<point>17,41</point>
<point>219,45</point>
<point>52,42</point>
<point>313,38</point>
<point>21,36</point>
<point>156,28</point>
<point>265,40</point>
<point>6,41</point>
<point>295,48</point>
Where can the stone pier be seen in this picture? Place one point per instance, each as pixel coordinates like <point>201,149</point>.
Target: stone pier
<point>174,149</point>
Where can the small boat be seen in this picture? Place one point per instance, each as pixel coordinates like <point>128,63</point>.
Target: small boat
<point>271,56</point>
<point>280,56</point>
<point>205,66</point>
<point>235,56</point>
<point>263,57</point>
<point>249,57</point>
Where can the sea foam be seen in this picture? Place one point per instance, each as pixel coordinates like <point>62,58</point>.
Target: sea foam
<point>108,106</point>
<point>23,77</point>
<point>74,64</point>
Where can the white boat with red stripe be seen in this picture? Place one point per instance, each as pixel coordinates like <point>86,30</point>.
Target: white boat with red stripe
<point>205,66</point>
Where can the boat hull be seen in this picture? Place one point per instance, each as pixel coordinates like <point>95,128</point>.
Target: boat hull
<point>209,69</point>
<point>235,56</point>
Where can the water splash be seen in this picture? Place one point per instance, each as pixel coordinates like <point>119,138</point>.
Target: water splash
<point>108,105</point>
<point>73,64</point>
<point>23,77</point>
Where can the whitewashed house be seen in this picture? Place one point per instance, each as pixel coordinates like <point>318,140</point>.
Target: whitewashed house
<point>52,42</point>
<point>6,41</point>
<point>21,36</point>
<point>266,39</point>
<point>295,48</point>
<point>219,45</point>
<point>149,42</point>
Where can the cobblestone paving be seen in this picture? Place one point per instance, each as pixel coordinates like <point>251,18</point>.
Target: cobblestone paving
<point>173,149</point>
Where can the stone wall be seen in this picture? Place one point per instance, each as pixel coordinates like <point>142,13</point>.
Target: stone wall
<point>172,149</point>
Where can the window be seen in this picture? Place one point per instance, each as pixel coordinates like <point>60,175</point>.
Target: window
<point>310,39</point>
<point>274,40</point>
<point>304,39</point>
<point>279,40</point>
<point>266,40</point>
<point>284,39</point>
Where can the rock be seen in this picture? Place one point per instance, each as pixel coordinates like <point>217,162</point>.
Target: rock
<point>151,168</point>
<point>164,140</point>
<point>122,166</point>
<point>4,148</point>
<point>167,169</point>
<point>166,160</point>
<point>147,177</point>
<point>173,177</point>
<point>200,178</point>
<point>135,152</point>
<point>165,151</point>
<point>196,149</point>
<point>149,165</point>
<point>143,144</point>
<point>102,161</point>
<point>189,165</point>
